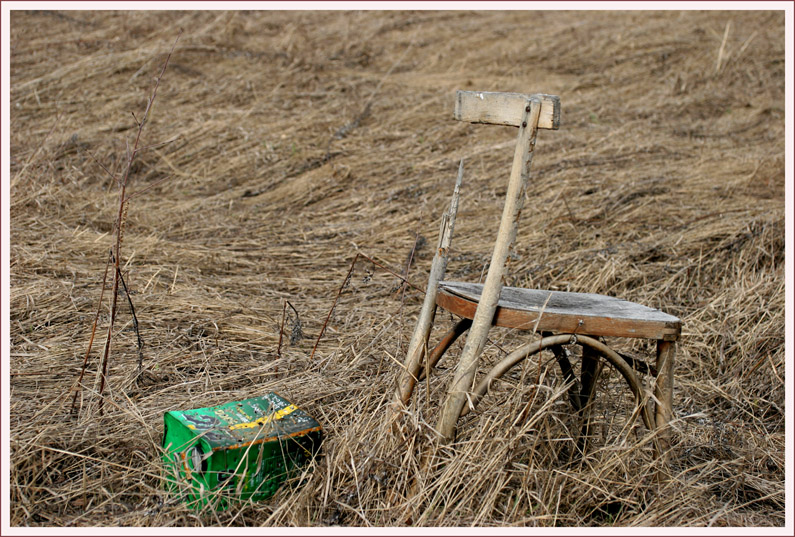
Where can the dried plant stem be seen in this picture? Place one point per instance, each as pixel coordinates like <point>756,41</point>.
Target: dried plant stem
<point>719,61</point>
<point>135,325</point>
<point>281,330</point>
<point>392,272</point>
<point>419,242</point>
<point>77,386</point>
<point>345,281</point>
<point>119,232</point>
<point>325,323</point>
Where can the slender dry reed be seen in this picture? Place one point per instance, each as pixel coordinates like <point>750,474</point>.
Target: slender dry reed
<point>115,254</point>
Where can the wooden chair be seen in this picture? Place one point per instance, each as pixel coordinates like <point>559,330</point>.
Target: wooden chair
<point>561,318</point>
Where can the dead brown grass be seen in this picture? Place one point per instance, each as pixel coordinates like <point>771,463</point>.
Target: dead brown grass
<point>305,137</point>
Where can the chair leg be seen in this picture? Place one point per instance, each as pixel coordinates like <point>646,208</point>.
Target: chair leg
<point>410,378</point>
<point>438,351</point>
<point>591,368</point>
<point>566,369</point>
<point>663,391</point>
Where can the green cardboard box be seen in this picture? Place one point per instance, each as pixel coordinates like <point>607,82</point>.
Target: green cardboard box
<point>238,451</point>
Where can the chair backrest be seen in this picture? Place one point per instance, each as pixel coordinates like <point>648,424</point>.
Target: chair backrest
<point>505,108</point>
<point>512,109</point>
<point>516,110</point>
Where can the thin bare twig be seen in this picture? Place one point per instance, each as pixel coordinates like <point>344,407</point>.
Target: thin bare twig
<point>135,325</point>
<point>76,388</point>
<point>147,189</point>
<point>344,283</point>
<point>392,272</point>
<point>120,225</point>
<point>157,145</point>
<point>90,154</point>
<point>281,329</point>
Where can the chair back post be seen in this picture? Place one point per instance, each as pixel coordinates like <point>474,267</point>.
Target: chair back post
<point>529,113</point>
<point>408,376</point>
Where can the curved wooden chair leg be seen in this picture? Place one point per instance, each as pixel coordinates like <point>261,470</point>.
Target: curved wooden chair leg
<point>642,401</point>
<point>508,362</point>
<point>444,344</point>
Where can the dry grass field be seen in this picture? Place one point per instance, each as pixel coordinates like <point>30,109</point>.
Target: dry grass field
<point>297,140</point>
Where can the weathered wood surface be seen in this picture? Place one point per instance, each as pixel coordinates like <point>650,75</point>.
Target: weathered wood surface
<point>481,322</point>
<point>505,108</point>
<point>557,311</point>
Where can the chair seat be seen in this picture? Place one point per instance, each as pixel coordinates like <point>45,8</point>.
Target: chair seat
<point>558,311</point>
